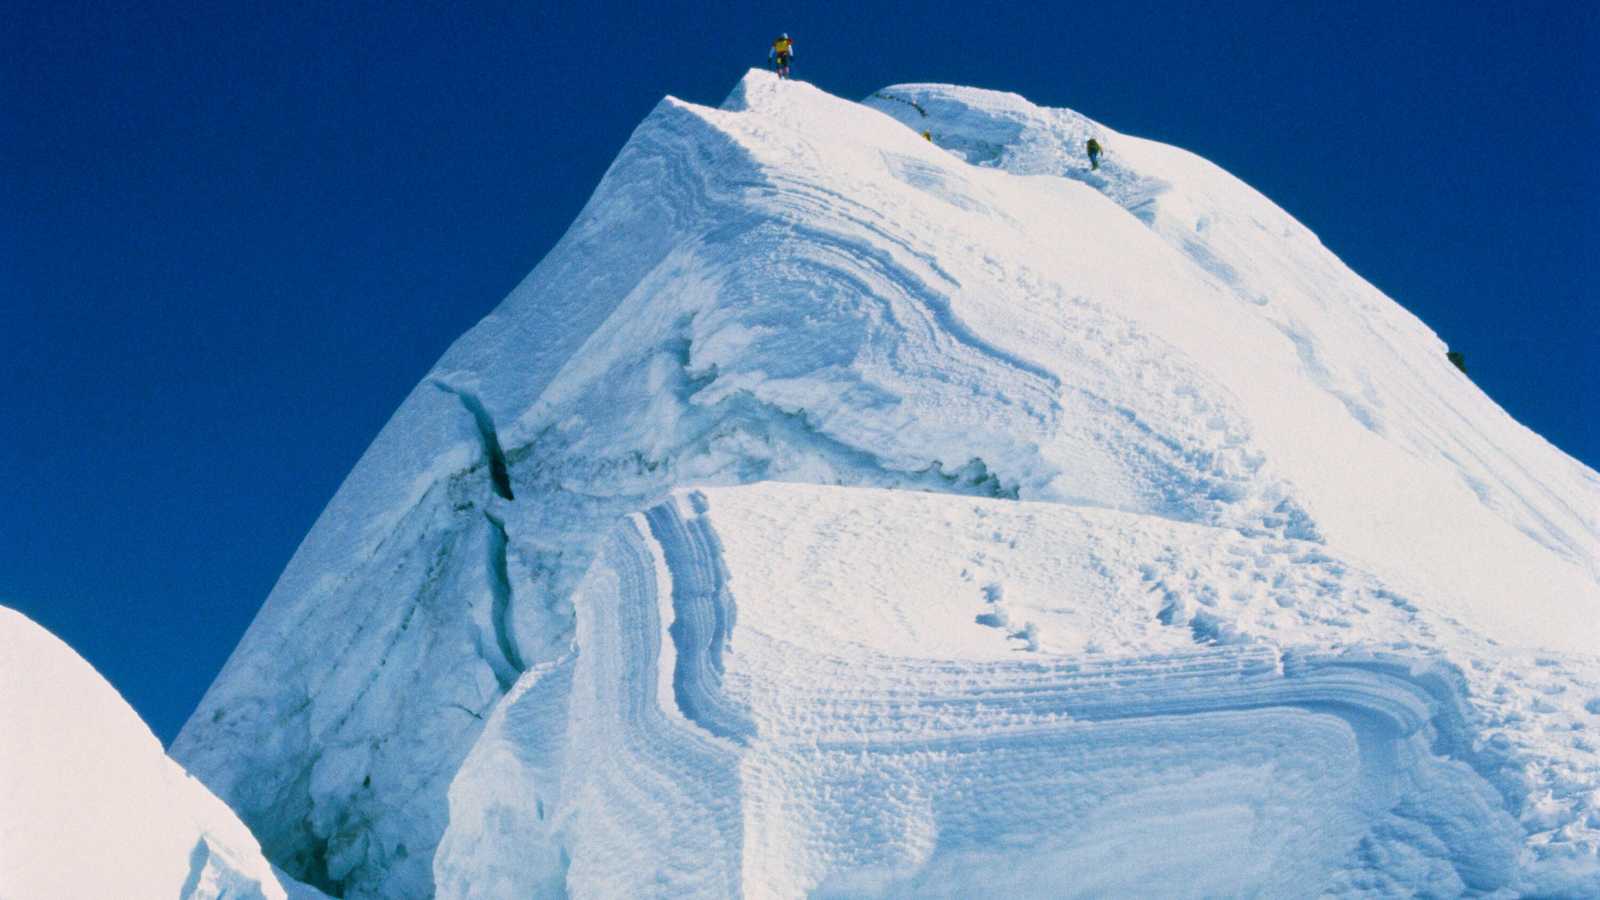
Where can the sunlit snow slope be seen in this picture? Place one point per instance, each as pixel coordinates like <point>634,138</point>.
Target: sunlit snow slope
<point>90,806</point>
<point>1341,567</point>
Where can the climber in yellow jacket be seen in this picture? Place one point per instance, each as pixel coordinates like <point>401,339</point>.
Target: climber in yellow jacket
<point>780,54</point>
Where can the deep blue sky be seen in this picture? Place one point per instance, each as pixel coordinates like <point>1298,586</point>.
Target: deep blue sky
<point>234,235</point>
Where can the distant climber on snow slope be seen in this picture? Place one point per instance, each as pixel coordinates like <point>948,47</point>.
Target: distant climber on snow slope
<point>1094,154</point>
<point>782,51</point>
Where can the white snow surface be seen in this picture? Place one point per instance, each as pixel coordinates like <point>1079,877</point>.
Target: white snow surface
<point>1260,593</point>
<point>90,805</point>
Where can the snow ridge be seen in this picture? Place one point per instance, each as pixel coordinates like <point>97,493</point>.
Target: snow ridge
<point>1299,288</point>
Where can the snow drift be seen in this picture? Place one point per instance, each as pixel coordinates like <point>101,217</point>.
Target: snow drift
<point>1342,567</point>
<point>90,806</point>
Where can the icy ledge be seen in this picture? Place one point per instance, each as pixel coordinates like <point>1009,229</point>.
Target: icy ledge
<point>90,806</point>
<point>769,704</point>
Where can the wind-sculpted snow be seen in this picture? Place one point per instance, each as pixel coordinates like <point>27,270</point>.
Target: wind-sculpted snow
<point>800,289</point>
<point>90,806</point>
<point>775,705</point>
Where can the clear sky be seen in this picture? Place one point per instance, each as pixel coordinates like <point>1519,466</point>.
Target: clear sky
<point>233,236</point>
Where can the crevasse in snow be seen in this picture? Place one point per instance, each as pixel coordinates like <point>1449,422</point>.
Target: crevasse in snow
<point>1349,577</point>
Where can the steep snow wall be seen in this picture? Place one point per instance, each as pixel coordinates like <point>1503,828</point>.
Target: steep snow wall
<point>799,288</point>
<point>90,806</point>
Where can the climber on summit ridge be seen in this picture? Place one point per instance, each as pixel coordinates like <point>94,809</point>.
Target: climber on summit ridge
<point>782,51</point>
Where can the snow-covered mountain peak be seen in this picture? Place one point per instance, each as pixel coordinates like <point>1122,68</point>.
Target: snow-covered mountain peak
<point>798,289</point>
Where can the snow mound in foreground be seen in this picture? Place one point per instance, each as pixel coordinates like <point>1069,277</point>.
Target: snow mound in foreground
<point>90,806</point>
<point>799,288</point>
